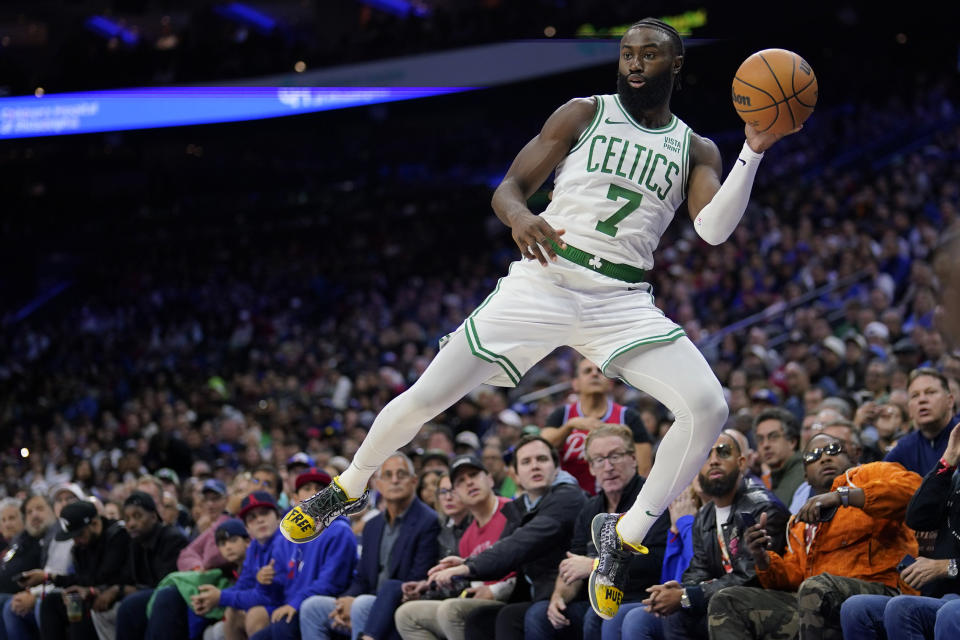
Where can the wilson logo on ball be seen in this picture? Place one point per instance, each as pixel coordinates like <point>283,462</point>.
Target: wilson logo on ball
<point>742,100</point>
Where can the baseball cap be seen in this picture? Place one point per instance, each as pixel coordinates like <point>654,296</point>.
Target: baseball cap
<point>434,454</point>
<point>72,487</point>
<point>905,345</point>
<point>765,395</point>
<point>468,438</point>
<point>212,484</point>
<point>254,500</point>
<point>340,463</point>
<point>876,330</point>
<point>510,417</point>
<point>853,336</point>
<point>756,350</point>
<point>312,475</point>
<point>835,344</point>
<point>229,529</point>
<point>301,458</point>
<point>169,475</point>
<point>74,517</point>
<point>464,462</point>
<point>142,500</point>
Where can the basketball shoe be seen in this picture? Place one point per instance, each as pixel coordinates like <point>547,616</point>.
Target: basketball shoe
<point>609,575</point>
<point>308,519</point>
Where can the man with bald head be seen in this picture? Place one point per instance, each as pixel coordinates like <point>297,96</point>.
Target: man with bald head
<point>681,608</point>
<point>832,552</point>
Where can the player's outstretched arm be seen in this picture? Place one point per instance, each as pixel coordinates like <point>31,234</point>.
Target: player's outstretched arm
<point>530,169</point>
<point>716,207</point>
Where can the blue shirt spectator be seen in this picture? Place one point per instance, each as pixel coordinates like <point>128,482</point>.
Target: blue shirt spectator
<point>918,453</point>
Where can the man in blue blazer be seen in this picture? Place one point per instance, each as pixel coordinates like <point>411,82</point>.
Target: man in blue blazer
<point>398,545</point>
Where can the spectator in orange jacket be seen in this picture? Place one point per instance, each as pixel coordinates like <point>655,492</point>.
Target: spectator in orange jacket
<point>846,540</point>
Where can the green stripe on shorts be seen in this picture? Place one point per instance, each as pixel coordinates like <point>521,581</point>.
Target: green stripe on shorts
<point>473,338</point>
<point>485,354</point>
<point>666,337</point>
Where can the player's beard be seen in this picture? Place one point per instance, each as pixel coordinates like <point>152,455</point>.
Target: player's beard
<point>654,93</point>
<point>720,486</point>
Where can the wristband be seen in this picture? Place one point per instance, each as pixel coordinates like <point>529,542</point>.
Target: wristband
<point>945,467</point>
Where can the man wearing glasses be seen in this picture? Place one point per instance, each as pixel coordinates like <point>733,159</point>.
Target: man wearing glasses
<point>720,559</point>
<point>567,427</point>
<point>398,545</point>
<point>846,540</point>
<point>611,455</point>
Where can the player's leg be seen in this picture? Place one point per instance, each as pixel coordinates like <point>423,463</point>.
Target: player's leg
<point>453,373</point>
<point>678,376</point>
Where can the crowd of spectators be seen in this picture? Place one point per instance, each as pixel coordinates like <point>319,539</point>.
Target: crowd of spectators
<point>230,328</point>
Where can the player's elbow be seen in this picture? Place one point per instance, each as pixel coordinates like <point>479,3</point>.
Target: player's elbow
<point>708,228</point>
<point>712,237</point>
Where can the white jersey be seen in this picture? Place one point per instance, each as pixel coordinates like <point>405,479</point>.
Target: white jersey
<point>618,188</point>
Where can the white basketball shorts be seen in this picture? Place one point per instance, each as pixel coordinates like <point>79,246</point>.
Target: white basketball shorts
<point>535,309</point>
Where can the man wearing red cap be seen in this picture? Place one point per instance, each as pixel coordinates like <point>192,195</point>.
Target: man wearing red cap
<point>249,604</point>
<point>323,569</point>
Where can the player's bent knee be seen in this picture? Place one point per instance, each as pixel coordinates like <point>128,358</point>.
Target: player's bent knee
<point>711,408</point>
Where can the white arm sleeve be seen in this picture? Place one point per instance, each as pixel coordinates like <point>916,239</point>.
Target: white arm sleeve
<point>722,214</point>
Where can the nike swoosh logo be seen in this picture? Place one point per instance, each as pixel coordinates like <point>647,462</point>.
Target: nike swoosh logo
<point>652,515</point>
<point>609,121</point>
<point>742,161</point>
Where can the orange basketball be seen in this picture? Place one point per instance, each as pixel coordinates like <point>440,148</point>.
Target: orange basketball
<point>774,90</point>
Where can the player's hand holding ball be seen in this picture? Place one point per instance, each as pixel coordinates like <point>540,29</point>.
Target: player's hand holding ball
<point>774,92</point>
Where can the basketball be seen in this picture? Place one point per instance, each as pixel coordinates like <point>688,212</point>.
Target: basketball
<point>774,90</point>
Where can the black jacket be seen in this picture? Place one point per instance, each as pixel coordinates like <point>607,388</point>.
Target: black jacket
<point>450,534</point>
<point>706,575</point>
<point>102,563</point>
<point>645,570</point>
<point>533,542</point>
<point>935,507</point>
<point>154,555</point>
<point>24,553</point>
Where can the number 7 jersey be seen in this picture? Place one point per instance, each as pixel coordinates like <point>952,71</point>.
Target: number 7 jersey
<point>620,185</point>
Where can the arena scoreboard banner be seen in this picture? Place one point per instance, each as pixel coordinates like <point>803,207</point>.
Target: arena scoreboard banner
<point>403,78</point>
<point>70,113</point>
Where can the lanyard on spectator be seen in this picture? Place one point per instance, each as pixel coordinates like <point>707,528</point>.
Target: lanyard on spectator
<point>809,533</point>
<point>724,554</point>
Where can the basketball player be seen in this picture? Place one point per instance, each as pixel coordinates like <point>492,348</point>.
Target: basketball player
<point>624,163</point>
